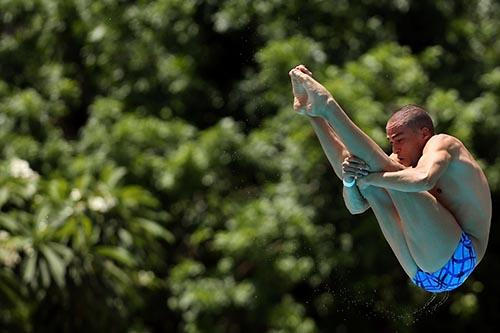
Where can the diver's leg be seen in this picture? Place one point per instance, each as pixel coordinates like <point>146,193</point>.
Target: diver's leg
<point>333,147</point>
<point>354,139</point>
<point>432,232</point>
<point>390,224</point>
<point>378,198</point>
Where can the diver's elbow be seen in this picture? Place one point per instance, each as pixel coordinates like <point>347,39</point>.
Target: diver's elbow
<point>426,183</point>
<point>420,181</point>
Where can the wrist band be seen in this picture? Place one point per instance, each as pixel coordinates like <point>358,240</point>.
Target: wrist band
<point>349,184</point>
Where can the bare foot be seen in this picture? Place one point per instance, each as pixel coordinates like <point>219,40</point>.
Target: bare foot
<point>311,98</point>
<point>299,93</point>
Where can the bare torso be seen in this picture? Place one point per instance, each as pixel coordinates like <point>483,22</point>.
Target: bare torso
<point>463,189</point>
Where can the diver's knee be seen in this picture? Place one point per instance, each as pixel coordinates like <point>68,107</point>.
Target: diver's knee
<point>374,194</point>
<point>370,190</point>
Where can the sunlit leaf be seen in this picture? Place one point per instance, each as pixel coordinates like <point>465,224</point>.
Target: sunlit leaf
<point>55,263</point>
<point>154,229</point>
<point>117,254</point>
<point>44,272</point>
<point>29,268</point>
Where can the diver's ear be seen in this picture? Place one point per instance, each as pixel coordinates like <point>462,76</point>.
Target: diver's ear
<point>426,133</point>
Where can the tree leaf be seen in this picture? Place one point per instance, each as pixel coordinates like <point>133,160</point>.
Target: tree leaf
<point>111,176</point>
<point>4,196</point>
<point>65,252</point>
<point>154,229</point>
<point>8,222</point>
<point>56,264</point>
<point>44,272</point>
<point>29,268</point>
<point>118,254</point>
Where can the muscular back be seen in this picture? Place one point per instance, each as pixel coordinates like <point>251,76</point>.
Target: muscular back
<point>463,189</point>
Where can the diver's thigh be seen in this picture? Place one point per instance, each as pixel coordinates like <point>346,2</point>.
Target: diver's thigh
<point>431,230</point>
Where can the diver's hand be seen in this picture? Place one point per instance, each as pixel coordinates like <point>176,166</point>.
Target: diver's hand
<point>353,167</point>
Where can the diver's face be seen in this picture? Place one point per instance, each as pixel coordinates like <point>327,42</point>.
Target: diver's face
<point>406,143</point>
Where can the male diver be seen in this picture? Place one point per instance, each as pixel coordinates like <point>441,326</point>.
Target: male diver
<point>430,197</point>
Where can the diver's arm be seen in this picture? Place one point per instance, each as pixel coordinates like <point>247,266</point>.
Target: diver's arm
<point>435,159</point>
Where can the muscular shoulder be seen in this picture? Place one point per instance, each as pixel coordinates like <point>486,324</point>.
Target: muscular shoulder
<point>443,142</point>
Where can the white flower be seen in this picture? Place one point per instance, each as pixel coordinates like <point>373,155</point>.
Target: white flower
<point>28,249</point>
<point>21,169</point>
<point>145,277</point>
<point>75,194</point>
<point>4,235</point>
<point>9,257</point>
<point>100,204</point>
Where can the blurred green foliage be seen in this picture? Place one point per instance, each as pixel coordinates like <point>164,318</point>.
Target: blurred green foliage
<point>154,177</point>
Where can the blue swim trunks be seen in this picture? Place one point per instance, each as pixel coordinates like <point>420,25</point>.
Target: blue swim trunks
<point>453,273</point>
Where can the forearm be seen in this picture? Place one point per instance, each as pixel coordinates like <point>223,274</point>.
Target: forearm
<point>354,201</point>
<point>407,180</point>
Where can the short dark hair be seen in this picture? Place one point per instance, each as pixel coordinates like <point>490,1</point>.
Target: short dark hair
<point>413,116</point>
